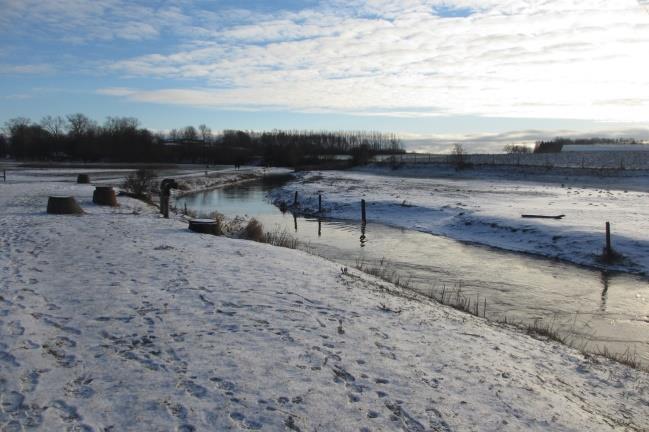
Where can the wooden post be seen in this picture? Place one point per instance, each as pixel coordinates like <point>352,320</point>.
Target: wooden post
<point>319,203</point>
<point>4,174</point>
<point>363,218</point>
<point>295,199</point>
<point>608,240</point>
<point>319,227</point>
<point>165,191</point>
<point>295,220</point>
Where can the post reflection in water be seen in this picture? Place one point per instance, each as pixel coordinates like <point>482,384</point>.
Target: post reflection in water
<point>604,279</point>
<point>319,227</point>
<point>363,236</point>
<point>295,221</point>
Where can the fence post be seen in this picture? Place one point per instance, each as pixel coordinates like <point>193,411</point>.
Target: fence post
<point>319,203</point>
<point>295,199</point>
<point>4,175</point>
<point>363,218</point>
<point>608,250</point>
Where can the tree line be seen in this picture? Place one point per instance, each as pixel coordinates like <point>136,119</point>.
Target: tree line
<point>76,137</point>
<point>555,145</point>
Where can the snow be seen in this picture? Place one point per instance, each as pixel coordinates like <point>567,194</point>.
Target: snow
<point>487,209</point>
<point>120,320</point>
<point>196,182</point>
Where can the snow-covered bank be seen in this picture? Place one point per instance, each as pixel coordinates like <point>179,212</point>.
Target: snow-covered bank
<point>200,182</point>
<point>488,210</point>
<point>120,320</point>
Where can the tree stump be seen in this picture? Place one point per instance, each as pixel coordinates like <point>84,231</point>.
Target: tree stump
<point>104,195</point>
<point>63,205</point>
<point>83,179</point>
<point>205,226</point>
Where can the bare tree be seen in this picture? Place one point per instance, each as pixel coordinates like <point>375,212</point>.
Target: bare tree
<point>205,132</point>
<point>79,124</point>
<point>458,156</point>
<point>189,133</point>
<point>516,149</point>
<point>54,125</point>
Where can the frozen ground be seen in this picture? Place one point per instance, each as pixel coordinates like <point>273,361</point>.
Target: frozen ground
<point>486,207</point>
<point>191,176</point>
<point>118,320</point>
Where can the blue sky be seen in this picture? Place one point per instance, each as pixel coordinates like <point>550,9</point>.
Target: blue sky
<point>433,71</point>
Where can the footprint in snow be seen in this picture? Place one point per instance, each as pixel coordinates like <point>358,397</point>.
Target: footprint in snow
<point>80,387</point>
<point>245,422</point>
<point>29,380</point>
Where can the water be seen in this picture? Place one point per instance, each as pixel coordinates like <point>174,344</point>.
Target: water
<point>604,310</point>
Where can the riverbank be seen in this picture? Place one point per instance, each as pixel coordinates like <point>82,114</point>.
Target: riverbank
<point>119,319</point>
<point>487,209</point>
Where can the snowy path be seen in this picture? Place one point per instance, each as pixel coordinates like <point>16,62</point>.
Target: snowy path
<point>118,320</point>
<point>488,211</point>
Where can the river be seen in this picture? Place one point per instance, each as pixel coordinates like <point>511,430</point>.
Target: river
<point>603,310</point>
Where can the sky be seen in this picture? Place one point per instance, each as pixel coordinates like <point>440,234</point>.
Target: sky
<point>484,72</point>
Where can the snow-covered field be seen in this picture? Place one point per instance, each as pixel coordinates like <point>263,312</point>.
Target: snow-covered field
<point>488,209</point>
<point>118,320</point>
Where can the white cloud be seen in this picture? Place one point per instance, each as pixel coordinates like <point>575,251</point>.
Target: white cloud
<point>559,59</point>
<point>581,59</point>
<point>16,69</point>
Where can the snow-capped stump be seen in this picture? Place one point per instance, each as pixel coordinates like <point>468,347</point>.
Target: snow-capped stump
<point>205,226</point>
<point>83,179</point>
<point>104,195</point>
<point>63,205</point>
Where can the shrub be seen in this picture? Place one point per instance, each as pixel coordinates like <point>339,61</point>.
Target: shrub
<point>281,238</point>
<point>140,182</point>
<point>254,231</point>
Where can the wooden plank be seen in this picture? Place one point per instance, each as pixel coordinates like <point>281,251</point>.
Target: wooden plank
<point>542,216</point>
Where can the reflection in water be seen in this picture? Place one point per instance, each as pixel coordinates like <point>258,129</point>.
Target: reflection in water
<point>604,279</point>
<point>573,299</point>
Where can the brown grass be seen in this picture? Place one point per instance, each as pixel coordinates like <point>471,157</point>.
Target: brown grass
<point>281,238</point>
<point>540,329</point>
<point>254,231</point>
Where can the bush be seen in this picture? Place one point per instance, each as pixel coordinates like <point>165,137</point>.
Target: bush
<point>254,231</point>
<point>141,182</point>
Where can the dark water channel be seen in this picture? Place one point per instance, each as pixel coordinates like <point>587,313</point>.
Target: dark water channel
<point>606,310</point>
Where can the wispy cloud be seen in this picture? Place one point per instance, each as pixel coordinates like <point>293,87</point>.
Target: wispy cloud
<point>16,69</point>
<point>569,59</point>
<point>561,59</point>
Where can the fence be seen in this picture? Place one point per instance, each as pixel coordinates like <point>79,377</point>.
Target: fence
<point>627,160</point>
